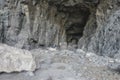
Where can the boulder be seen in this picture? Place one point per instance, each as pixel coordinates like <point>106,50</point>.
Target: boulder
<point>15,60</point>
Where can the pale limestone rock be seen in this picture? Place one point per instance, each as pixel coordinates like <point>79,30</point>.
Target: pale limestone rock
<point>15,60</point>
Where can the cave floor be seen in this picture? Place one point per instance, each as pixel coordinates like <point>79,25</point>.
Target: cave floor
<point>66,65</point>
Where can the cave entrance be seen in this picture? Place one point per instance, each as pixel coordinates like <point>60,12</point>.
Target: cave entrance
<point>76,17</point>
<point>76,22</point>
<point>74,33</point>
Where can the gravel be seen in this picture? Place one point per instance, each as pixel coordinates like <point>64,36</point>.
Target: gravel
<point>55,64</point>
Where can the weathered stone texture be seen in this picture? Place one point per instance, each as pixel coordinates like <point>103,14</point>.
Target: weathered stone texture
<point>91,24</point>
<point>105,40</point>
<point>15,60</point>
<point>31,24</point>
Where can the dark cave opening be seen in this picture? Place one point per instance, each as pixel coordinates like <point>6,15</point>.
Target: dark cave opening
<point>78,17</point>
<point>74,32</point>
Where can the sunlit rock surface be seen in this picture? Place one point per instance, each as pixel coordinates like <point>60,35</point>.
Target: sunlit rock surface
<point>15,60</point>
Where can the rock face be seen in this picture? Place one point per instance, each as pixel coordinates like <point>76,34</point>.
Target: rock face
<point>105,40</point>
<point>30,24</point>
<point>92,25</point>
<point>15,60</point>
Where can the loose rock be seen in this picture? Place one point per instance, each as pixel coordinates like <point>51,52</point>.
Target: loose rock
<point>15,60</point>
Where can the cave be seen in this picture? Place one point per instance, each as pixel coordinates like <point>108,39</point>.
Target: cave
<point>45,24</point>
<point>74,32</point>
<point>77,18</point>
<point>59,39</point>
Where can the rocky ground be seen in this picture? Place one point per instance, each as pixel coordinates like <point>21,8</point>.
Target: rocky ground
<point>55,64</point>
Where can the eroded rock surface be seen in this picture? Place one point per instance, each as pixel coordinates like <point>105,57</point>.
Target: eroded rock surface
<point>101,34</point>
<point>68,65</point>
<point>92,25</point>
<point>15,60</point>
<point>31,24</point>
